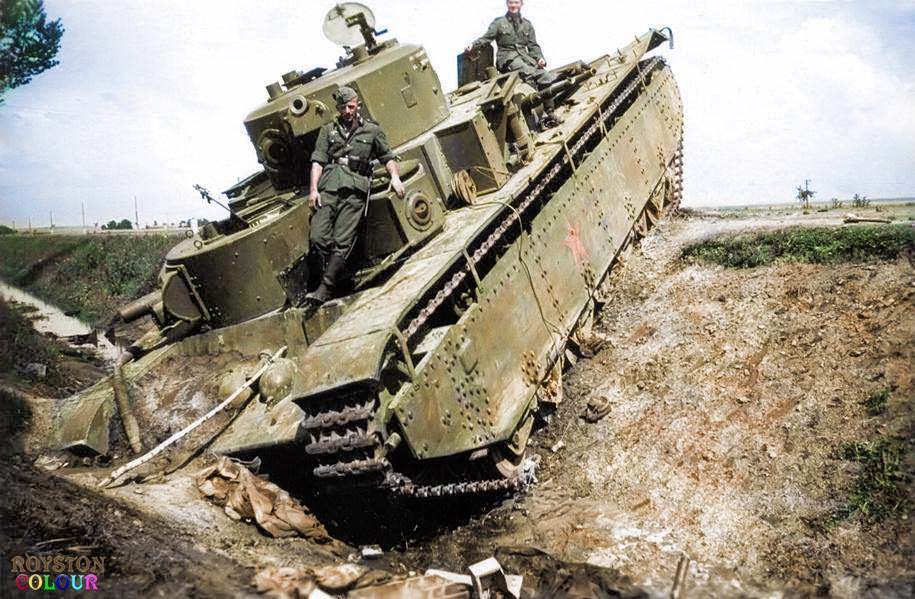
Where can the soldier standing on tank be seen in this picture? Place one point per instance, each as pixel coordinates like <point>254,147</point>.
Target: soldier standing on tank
<point>518,50</point>
<point>341,168</point>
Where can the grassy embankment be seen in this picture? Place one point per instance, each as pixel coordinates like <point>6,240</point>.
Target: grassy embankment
<point>880,487</point>
<point>816,245</point>
<point>87,276</point>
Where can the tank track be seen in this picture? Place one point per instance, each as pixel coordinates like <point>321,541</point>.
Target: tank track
<point>342,441</point>
<point>530,198</point>
<point>341,435</point>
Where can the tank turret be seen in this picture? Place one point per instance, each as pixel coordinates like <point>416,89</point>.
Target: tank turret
<point>397,86</point>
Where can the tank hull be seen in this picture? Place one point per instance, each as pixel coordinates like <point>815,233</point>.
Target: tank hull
<point>481,379</point>
<point>426,383</point>
<point>474,367</point>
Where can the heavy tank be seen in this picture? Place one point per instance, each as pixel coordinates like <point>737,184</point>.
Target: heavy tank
<point>425,379</point>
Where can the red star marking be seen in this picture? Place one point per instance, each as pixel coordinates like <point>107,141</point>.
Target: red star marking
<point>573,242</point>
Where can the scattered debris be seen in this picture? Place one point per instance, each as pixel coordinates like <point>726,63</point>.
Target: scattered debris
<point>36,370</point>
<point>339,578</point>
<point>125,410</point>
<point>352,580</point>
<point>118,473</point>
<point>430,586</point>
<point>558,446</point>
<point>547,576</point>
<point>285,582</point>
<point>371,552</point>
<point>696,424</point>
<point>598,407</point>
<point>679,589</point>
<point>50,462</point>
<point>488,576</point>
<point>854,218</point>
<point>486,580</point>
<point>451,576</point>
<point>245,495</point>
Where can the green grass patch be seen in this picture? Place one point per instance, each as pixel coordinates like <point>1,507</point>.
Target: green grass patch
<point>4,230</point>
<point>876,401</point>
<point>880,489</point>
<point>89,276</point>
<point>22,257</point>
<point>817,245</point>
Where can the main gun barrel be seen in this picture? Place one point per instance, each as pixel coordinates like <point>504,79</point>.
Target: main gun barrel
<point>140,307</point>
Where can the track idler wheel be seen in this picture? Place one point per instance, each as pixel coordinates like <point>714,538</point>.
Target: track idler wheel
<point>508,457</point>
<point>507,464</point>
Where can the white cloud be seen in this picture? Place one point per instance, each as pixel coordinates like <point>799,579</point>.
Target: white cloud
<point>150,96</point>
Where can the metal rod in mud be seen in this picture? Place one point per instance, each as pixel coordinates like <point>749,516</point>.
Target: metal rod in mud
<point>183,432</point>
<point>678,591</point>
<point>122,399</point>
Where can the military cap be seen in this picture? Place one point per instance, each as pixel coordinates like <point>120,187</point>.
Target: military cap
<point>344,95</point>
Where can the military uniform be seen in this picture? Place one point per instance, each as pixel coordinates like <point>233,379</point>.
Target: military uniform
<point>344,184</point>
<point>518,49</point>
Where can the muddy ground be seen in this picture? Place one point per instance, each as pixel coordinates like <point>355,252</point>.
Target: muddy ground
<point>741,403</point>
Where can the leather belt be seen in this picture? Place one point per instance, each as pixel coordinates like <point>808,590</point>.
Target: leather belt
<point>357,165</point>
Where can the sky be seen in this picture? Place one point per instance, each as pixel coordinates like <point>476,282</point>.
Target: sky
<point>150,95</point>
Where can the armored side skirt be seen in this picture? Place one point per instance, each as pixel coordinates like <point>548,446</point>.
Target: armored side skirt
<point>475,388</point>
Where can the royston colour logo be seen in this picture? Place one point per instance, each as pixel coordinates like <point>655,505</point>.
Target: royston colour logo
<point>57,572</point>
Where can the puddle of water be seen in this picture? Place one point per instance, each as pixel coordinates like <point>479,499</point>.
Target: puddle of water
<point>50,319</point>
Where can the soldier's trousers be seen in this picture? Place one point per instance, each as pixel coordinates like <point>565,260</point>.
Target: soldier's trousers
<point>334,225</point>
<point>530,73</point>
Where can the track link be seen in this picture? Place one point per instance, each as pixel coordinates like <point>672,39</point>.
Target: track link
<point>342,441</point>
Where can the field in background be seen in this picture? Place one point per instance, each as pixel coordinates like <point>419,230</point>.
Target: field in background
<point>898,210</point>
<point>88,276</point>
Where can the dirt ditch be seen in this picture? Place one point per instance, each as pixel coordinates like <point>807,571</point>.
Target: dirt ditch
<point>759,434</point>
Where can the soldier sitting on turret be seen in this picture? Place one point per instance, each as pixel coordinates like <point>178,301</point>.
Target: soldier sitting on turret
<point>341,168</point>
<point>518,50</point>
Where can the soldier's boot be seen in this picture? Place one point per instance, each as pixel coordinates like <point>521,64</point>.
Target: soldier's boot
<point>317,267</point>
<point>549,119</point>
<point>336,264</point>
<point>317,264</point>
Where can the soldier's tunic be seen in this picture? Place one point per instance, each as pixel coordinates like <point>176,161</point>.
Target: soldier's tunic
<point>344,187</point>
<point>518,49</point>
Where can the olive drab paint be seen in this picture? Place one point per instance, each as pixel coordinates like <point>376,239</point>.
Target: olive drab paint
<point>465,291</point>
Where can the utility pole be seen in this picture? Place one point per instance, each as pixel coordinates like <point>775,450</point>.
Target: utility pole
<point>136,213</point>
<point>51,217</point>
<point>30,224</point>
<point>83,210</point>
<point>804,195</point>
